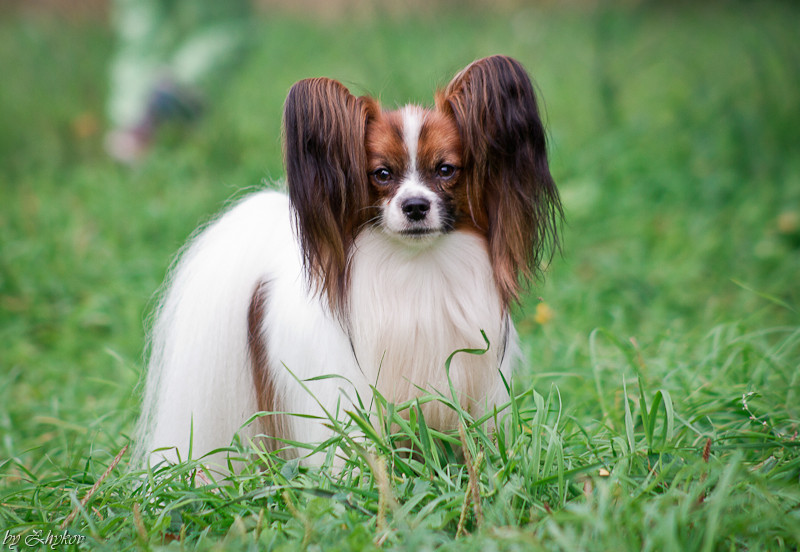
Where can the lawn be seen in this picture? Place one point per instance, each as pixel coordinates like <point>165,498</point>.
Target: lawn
<point>660,404</point>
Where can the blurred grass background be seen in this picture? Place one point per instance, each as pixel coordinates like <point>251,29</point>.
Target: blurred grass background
<point>674,132</point>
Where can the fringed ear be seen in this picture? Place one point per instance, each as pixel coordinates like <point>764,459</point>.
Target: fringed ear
<point>324,128</point>
<point>511,193</point>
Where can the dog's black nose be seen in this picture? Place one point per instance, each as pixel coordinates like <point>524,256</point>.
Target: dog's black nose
<point>416,208</point>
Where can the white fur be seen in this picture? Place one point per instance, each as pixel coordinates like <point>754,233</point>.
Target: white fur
<point>410,307</point>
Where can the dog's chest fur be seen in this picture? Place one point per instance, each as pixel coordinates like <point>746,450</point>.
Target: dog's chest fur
<point>410,309</point>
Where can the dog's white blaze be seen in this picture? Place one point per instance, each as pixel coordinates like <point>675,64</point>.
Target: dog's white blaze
<point>413,117</point>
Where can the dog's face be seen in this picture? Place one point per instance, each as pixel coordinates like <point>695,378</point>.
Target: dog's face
<point>414,166</point>
<point>477,161</point>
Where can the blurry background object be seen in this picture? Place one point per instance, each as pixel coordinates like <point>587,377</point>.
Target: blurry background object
<point>166,53</point>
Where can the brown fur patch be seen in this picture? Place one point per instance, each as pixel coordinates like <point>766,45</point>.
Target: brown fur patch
<point>439,143</point>
<point>385,149</point>
<point>272,425</point>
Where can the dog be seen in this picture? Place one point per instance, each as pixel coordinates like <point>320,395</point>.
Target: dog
<point>406,235</point>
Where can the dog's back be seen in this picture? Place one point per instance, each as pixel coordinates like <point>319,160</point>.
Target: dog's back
<point>199,388</point>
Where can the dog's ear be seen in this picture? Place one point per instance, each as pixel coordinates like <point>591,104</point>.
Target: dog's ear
<point>511,193</point>
<point>324,128</point>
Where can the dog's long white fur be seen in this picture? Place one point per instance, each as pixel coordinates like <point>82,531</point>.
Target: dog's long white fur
<point>409,309</point>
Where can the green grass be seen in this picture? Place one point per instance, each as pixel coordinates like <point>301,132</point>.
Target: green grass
<point>661,404</point>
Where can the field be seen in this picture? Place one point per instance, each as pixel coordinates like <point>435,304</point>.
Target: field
<point>660,405</point>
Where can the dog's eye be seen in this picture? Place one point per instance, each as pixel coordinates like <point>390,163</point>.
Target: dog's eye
<point>445,171</point>
<point>382,175</point>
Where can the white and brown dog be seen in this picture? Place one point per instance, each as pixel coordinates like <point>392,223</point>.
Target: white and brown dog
<point>404,235</point>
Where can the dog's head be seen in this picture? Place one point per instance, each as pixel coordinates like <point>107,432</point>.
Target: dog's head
<point>476,162</point>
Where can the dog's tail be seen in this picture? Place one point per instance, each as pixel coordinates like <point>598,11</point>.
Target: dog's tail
<point>199,386</point>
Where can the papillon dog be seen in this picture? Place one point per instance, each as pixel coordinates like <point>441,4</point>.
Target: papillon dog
<point>406,235</point>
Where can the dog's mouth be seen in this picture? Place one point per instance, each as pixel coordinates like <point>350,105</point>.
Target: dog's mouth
<point>420,232</point>
<point>415,237</point>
